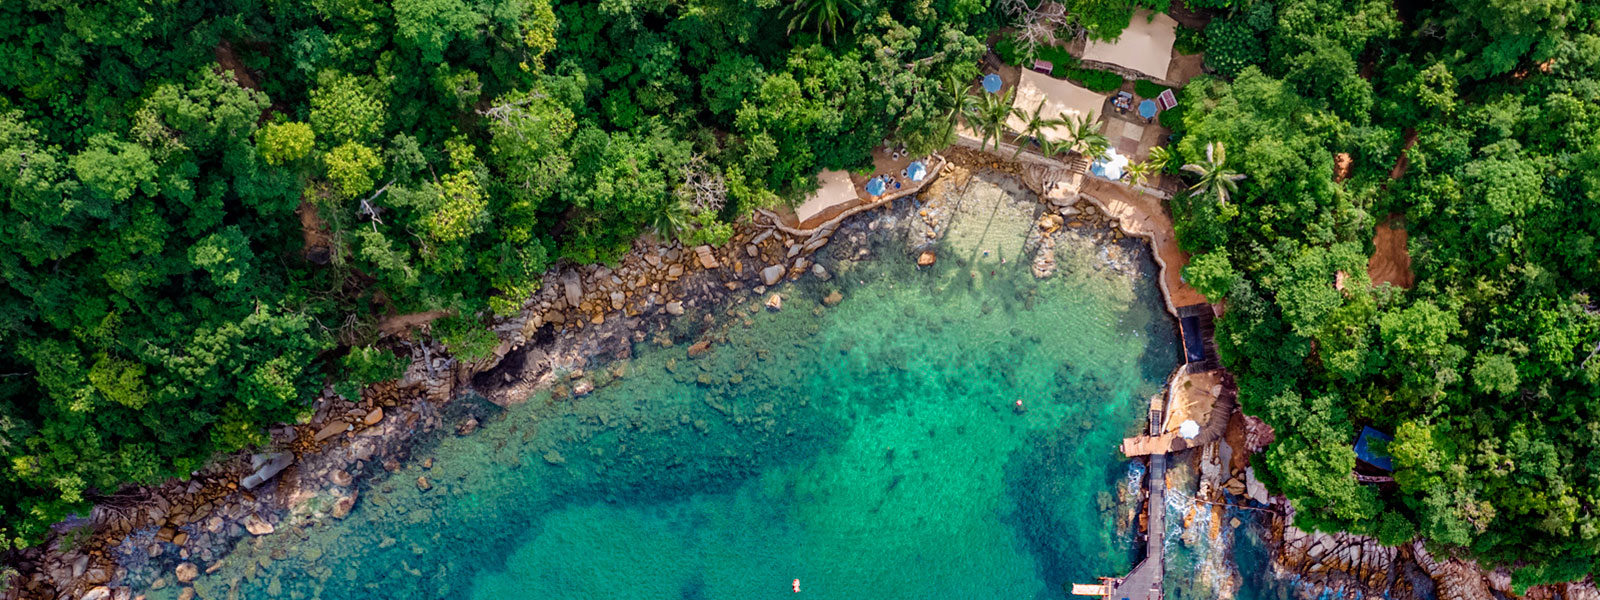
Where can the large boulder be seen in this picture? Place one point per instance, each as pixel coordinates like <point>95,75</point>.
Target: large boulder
<point>266,466</point>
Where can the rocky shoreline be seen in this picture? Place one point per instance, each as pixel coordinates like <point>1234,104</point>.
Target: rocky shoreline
<point>312,471</point>
<point>572,337</point>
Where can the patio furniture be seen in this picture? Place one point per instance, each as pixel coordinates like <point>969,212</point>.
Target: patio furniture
<point>1123,101</point>
<point>1043,66</point>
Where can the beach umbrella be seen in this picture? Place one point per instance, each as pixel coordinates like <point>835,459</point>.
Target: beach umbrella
<point>875,187</point>
<point>917,170</point>
<point>991,83</point>
<point>1189,429</point>
<point>1109,166</point>
<point>1147,109</point>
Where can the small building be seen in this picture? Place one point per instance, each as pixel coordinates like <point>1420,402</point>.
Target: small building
<point>1372,449</point>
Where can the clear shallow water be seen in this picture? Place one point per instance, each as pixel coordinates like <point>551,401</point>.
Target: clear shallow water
<point>869,450</point>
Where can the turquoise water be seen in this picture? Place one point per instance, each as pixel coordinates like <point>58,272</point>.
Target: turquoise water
<point>869,449</point>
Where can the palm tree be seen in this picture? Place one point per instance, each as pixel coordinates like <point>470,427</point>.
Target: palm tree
<point>990,118</point>
<point>1140,172</point>
<point>1215,178</point>
<point>1084,137</point>
<point>1159,157</point>
<point>1035,126</point>
<point>672,221</point>
<point>825,14</point>
<point>956,103</point>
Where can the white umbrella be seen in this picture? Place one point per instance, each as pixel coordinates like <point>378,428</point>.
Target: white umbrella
<point>1189,429</point>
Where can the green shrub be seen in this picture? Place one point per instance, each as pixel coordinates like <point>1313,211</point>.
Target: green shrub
<point>1008,51</point>
<point>1096,80</point>
<point>1190,40</point>
<point>1148,89</point>
<point>1172,118</point>
<point>468,340</point>
<point>1058,56</point>
<point>1232,45</point>
<point>366,365</point>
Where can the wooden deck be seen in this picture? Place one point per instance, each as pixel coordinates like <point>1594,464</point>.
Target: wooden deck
<point>1169,441</point>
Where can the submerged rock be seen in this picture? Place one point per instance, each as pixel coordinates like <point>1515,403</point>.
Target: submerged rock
<point>772,274</point>
<point>186,572</point>
<point>833,298</point>
<point>257,526</point>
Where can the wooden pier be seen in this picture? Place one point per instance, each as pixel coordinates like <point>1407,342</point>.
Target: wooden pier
<point>1144,582</point>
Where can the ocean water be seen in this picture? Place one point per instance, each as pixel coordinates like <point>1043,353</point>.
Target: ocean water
<point>870,449</point>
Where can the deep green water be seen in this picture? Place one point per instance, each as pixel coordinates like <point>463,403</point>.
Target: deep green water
<point>870,450</point>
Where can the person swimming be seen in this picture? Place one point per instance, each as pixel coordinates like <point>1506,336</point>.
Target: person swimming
<point>797,586</point>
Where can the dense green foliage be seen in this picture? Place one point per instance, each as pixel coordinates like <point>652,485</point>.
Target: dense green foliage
<point>1148,89</point>
<point>1486,372</point>
<point>1063,65</point>
<point>207,205</point>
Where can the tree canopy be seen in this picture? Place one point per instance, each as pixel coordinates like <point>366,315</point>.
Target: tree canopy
<point>1476,124</point>
<point>206,206</point>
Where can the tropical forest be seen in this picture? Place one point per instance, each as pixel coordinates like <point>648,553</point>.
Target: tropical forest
<point>225,221</point>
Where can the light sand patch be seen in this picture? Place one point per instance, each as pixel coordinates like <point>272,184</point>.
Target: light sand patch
<point>835,190</point>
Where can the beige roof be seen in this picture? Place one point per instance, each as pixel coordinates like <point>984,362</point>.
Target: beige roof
<point>1146,46</point>
<point>836,189</point>
<point>1062,99</point>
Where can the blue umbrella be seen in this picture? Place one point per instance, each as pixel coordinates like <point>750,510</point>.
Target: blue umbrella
<point>917,170</point>
<point>991,83</point>
<point>1147,109</point>
<point>875,187</point>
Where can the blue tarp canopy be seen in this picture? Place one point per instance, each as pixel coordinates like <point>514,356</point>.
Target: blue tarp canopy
<point>875,187</point>
<point>1372,447</point>
<point>991,83</point>
<point>916,171</point>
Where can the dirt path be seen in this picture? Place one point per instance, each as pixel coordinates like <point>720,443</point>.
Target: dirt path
<point>1390,262</point>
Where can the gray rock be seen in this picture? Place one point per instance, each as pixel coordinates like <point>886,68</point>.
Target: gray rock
<point>573,287</point>
<point>772,274</point>
<point>820,272</point>
<point>674,308</point>
<point>266,466</point>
